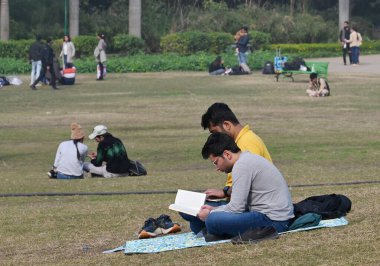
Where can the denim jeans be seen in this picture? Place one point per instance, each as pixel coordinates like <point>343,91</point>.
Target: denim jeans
<point>36,69</point>
<point>242,58</point>
<point>233,224</point>
<point>196,225</point>
<point>63,176</point>
<point>355,54</point>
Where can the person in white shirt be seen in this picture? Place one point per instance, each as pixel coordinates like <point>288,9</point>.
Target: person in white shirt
<point>68,52</point>
<point>70,156</point>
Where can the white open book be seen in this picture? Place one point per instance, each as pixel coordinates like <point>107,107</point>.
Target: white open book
<point>188,202</point>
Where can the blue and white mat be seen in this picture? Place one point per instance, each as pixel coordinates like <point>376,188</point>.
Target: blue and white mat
<point>188,240</point>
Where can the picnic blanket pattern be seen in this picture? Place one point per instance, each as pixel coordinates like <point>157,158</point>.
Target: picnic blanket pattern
<point>188,240</point>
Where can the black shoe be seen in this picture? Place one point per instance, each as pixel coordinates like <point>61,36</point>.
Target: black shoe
<point>165,223</point>
<point>256,235</point>
<point>52,174</point>
<point>150,229</point>
<point>33,87</point>
<point>99,79</point>
<point>55,88</point>
<point>212,238</point>
<point>95,175</point>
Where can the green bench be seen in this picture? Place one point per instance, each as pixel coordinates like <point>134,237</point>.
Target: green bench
<point>321,68</point>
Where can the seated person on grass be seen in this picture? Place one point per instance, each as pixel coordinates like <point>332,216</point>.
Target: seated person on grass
<point>217,67</point>
<point>260,196</point>
<point>70,156</point>
<point>111,151</point>
<point>318,87</point>
<point>220,118</point>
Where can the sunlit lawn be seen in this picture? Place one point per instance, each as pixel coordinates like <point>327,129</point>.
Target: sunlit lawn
<point>157,115</point>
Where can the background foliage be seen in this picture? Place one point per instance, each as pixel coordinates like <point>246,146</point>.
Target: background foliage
<point>311,21</point>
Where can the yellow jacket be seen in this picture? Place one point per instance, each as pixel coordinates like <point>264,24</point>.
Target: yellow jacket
<point>249,141</point>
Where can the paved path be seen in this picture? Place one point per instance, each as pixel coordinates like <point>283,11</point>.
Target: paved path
<point>368,64</point>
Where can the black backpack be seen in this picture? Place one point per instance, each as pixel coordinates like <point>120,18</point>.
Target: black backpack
<point>136,168</point>
<point>268,68</point>
<point>328,206</point>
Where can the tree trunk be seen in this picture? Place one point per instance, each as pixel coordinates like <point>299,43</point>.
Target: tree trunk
<point>135,18</point>
<point>344,12</point>
<point>4,21</point>
<point>292,3</point>
<point>74,18</point>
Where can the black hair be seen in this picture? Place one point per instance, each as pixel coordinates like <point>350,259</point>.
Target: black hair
<point>313,76</point>
<point>68,37</point>
<point>216,114</point>
<point>348,23</point>
<point>48,40</point>
<point>217,143</point>
<point>101,35</point>
<point>76,145</point>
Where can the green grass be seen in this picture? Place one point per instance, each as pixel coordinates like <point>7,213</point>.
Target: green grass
<point>157,115</point>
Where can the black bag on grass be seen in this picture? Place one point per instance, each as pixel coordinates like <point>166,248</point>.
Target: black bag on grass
<point>268,68</point>
<point>136,168</point>
<point>328,206</point>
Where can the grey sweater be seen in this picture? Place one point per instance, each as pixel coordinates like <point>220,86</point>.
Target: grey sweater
<point>258,185</point>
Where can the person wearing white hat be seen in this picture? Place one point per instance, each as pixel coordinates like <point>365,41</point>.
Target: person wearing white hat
<point>70,156</point>
<point>111,151</point>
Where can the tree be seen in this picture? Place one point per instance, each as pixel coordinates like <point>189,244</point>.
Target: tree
<point>135,18</point>
<point>344,12</point>
<point>74,18</point>
<point>4,20</point>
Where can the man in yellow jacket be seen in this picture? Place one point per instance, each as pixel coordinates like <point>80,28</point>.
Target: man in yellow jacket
<point>220,118</point>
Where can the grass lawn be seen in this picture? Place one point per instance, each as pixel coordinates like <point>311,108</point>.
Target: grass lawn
<point>157,115</point>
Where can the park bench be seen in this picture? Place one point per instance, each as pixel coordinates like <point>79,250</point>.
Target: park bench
<point>321,68</point>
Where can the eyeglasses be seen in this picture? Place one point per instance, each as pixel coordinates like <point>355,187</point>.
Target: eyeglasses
<point>215,162</point>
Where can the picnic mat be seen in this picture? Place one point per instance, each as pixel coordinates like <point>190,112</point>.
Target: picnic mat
<point>189,240</point>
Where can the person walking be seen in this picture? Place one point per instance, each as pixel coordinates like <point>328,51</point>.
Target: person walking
<point>47,65</point>
<point>68,52</point>
<point>100,56</point>
<point>35,51</point>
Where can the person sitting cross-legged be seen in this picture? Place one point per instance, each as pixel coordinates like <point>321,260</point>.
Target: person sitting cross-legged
<point>260,196</point>
<point>111,151</point>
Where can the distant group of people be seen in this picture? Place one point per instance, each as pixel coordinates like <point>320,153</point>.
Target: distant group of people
<point>351,41</point>
<point>43,60</point>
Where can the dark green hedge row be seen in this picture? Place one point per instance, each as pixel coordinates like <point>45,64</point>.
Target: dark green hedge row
<point>84,45</point>
<point>190,42</point>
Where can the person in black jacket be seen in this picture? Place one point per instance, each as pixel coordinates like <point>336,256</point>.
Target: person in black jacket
<point>345,35</point>
<point>35,51</point>
<point>111,151</point>
<point>47,57</point>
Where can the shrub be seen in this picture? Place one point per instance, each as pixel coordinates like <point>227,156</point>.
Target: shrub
<point>84,45</point>
<point>15,49</point>
<point>127,44</point>
<point>190,42</point>
<point>258,39</point>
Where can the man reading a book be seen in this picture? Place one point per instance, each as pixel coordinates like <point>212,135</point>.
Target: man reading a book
<point>260,196</point>
<point>220,118</point>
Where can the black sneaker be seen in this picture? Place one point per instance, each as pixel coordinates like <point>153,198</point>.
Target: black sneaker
<point>52,174</point>
<point>150,229</point>
<point>33,87</point>
<point>165,223</point>
<point>256,235</point>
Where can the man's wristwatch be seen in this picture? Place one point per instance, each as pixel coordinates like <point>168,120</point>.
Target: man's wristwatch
<point>225,191</point>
